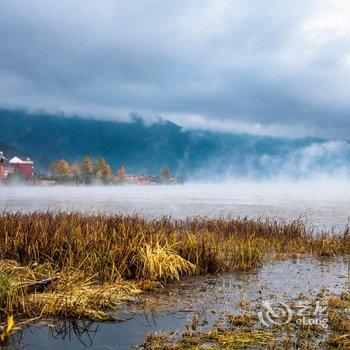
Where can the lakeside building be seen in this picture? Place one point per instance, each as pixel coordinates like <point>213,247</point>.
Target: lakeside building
<point>141,179</point>
<point>22,166</point>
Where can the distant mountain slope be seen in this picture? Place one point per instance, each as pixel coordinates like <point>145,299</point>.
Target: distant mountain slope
<point>139,147</point>
<point>148,148</point>
<point>10,151</point>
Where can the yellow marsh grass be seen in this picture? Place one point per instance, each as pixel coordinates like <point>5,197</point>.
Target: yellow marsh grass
<point>113,247</point>
<point>242,320</point>
<point>72,295</point>
<point>7,329</point>
<point>82,300</point>
<point>162,263</point>
<point>95,255</point>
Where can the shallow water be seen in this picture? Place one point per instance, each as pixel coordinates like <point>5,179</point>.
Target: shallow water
<point>208,297</point>
<point>323,202</point>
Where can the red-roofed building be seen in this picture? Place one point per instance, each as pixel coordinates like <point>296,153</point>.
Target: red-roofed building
<point>23,166</point>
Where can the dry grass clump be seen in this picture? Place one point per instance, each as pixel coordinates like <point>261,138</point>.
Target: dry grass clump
<point>340,341</point>
<point>240,339</point>
<point>158,341</point>
<point>339,321</point>
<point>240,320</point>
<point>82,300</point>
<point>155,262</point>
<point>15,283</point>
<point>215,339</point>
<point>341,330</point>
<point>68,295</point>
<point>339,302</point>
<point>102,252</point>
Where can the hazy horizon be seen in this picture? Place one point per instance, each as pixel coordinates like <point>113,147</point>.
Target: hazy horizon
<point>323,202</point>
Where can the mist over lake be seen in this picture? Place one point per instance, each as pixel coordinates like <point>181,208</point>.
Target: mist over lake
<point>322,202</point>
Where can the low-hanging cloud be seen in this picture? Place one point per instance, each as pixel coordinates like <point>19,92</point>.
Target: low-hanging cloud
<point>328,159</point>
<point>273,68</point>
<point>317,160</point>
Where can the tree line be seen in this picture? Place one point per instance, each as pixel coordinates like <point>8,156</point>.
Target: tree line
<point>88,172</point>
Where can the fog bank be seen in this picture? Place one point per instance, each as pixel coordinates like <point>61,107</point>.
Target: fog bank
<point>323,201</point>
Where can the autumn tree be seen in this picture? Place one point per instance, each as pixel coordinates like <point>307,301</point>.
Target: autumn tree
<point>98,168</point>
<point>60,170</point>
<point>86,170</point>
<point>102,171</point>
<point>86,173</point>
<point>74,172</point>
<point>106,174</point>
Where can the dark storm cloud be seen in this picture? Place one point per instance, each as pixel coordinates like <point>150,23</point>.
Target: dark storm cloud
<point>266,67</point>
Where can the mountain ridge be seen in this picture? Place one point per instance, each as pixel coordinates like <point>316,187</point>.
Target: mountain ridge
<point>143,148</point>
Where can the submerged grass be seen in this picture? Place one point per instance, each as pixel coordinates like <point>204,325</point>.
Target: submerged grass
<point>96,261</point>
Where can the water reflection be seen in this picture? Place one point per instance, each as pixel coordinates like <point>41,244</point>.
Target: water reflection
<point>59,334</point>
<point>13,342</point>
<point>82,331</point>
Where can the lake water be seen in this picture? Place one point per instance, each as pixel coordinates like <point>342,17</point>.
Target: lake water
<point>323,202</point>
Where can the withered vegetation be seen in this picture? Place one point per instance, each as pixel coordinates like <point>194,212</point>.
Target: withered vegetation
<point>90,263</point>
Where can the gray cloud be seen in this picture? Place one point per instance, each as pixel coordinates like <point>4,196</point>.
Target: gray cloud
<point>266,67</point>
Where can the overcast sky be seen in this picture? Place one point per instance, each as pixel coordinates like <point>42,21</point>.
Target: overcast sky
<point>265,67</point>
